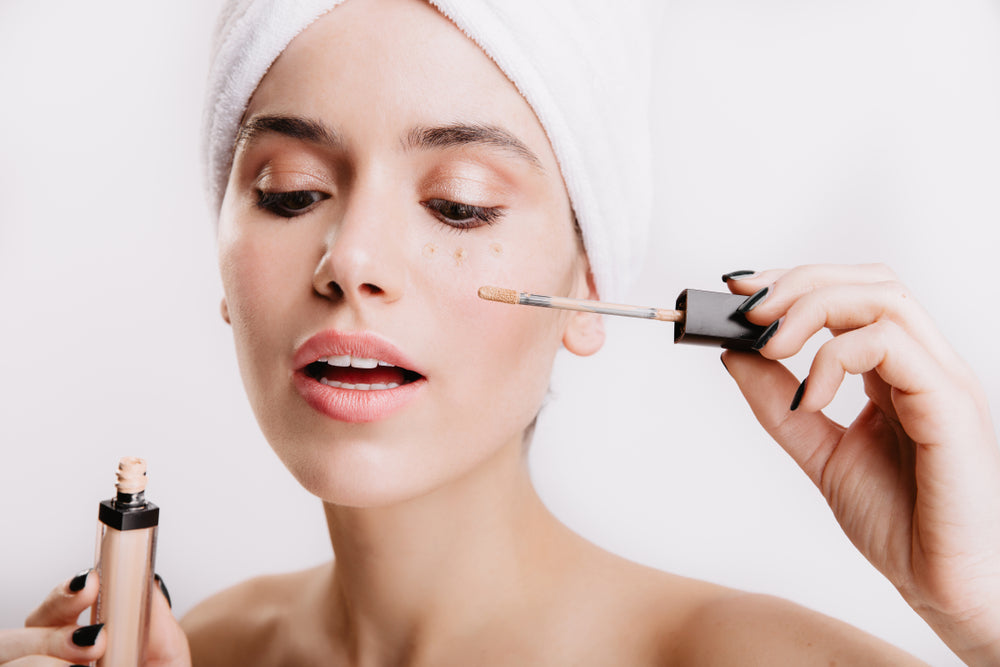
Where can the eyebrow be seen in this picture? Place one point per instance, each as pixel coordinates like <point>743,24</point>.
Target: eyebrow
<point>296,127</point>
<point>464,134</point>
<point>444,136</point>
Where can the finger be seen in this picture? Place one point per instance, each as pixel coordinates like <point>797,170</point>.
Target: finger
<point>935,408</point>
<point>39,661</point>
<point>784,287</point>
<point>66,601</point>
<point>168,646</point>
<point>846,307</point>
<point>748,282</point>
<point>71,643</point>
<point>880,394</point>
<point>809,437</point>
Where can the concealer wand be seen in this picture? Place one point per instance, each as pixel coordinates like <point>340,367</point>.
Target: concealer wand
<point>699,317</point>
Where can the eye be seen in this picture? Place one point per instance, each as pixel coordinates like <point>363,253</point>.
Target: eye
<point>289,204</point>
<point>462,216</point>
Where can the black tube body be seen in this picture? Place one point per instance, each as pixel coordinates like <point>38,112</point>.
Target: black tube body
<point>710,318</point>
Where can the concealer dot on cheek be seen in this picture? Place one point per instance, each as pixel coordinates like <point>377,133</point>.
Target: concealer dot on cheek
<point>429,250</point>
<point>460,256</point>
<point>496,249</point>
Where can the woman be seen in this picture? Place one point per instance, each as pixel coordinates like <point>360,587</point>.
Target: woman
<point>360,226</point>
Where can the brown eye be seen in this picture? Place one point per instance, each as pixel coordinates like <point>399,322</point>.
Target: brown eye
<point>289,204</point>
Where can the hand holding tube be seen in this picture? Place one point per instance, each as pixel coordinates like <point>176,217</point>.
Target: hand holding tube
<point>52,629</point>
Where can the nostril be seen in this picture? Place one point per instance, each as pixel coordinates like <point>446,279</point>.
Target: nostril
<point>335,290</point>
<point>371,290</point>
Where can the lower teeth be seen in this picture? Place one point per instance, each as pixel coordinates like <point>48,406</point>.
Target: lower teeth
<point>359,387</point>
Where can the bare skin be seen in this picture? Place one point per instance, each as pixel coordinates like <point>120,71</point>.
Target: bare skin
<point>556,599</point>
<point>444,553</point>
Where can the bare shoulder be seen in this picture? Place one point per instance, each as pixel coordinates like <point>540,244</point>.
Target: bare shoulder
<point>735,628</point>
<point>247,623</point>
<point>674,620</point>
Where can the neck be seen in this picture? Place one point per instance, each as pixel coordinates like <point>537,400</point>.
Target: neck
<point>414,572</point>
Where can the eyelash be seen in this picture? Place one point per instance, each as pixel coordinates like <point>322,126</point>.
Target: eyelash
<point>278,202</point>
<point>466,217</point>
<point>470,216</point>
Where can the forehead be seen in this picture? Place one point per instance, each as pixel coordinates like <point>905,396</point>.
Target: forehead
<point>381,67</point>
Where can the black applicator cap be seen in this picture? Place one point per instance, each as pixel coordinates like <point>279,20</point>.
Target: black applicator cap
<point>710,318</point>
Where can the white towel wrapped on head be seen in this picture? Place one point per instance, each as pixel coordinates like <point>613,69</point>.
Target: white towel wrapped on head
<point>582,65</point>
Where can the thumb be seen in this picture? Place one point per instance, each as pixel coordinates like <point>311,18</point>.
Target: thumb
<point>768,387</point>
<point>167,645</point>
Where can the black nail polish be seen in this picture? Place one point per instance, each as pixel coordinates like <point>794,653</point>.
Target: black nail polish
<point>771,329</point>
<point>163,589</point>
<point>798,395</point>
<point>87,635</point>
<point>736,275</point>
<point>753,300</point>
<point>78,582</point>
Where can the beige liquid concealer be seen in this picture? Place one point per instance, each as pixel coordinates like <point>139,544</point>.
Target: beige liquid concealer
<point>126,552</point>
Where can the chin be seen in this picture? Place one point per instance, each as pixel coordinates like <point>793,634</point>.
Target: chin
<point>363,474</point>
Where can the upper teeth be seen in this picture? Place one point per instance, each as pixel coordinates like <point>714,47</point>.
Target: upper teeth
<point>346,360</point>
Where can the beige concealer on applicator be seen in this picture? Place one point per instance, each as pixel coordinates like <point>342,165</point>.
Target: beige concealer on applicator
<point>126,554</point>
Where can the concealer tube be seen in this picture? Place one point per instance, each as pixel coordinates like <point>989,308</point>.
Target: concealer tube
<point>126,554</point>
<point>711,318</point>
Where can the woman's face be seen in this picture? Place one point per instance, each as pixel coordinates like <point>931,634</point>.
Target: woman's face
<point>385,170</point>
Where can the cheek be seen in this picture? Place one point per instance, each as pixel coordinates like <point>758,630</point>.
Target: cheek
<point>244,280</point>
<point>257,281</point>
<point>460,268</point>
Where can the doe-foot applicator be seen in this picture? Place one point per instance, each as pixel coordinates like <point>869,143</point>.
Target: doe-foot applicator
<point>700,317</point>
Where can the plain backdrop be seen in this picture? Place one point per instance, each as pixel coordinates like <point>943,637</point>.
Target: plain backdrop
<point>788,132</point>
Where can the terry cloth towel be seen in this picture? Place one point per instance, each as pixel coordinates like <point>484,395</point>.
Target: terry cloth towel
<point>582,65</point>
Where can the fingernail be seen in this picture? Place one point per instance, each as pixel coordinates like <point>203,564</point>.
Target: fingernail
<point>753,300</point>
<point>87,635</point>
<point>163,589</point>
<point>78,582</point>
<point>765,335</point>
<point>798,395</point>
<point>737,275</point>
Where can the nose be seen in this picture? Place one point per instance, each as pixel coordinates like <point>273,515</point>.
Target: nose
<point>362,260</point>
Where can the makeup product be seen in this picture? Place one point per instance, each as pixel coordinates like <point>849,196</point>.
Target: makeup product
<point>126,551</point>
<point>700,317</point>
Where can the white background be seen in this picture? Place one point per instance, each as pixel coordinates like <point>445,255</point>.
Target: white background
<point>788,132</point>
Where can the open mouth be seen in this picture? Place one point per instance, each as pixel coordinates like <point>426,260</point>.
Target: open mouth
<point>362,374</point>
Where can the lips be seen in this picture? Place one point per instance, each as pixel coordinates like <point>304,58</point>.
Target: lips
<point>347,372</point>
<point>354,376</point>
